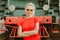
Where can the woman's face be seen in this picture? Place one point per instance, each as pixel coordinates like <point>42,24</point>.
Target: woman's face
<point>29,10</point>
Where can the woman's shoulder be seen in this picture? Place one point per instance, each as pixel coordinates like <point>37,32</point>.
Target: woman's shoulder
<point>36,17</point>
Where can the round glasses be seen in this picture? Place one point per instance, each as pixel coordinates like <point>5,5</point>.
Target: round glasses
<point>29,9</point>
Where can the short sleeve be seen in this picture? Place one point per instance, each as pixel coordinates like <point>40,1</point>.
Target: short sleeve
<point>20,22</point>
<point>38,20</point>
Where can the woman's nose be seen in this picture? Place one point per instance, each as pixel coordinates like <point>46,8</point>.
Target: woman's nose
<point>29,11</point>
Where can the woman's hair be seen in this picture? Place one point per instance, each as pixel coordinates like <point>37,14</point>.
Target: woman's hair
<point>31,4</point>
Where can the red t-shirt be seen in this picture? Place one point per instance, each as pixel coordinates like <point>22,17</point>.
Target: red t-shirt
<point>28,24</point>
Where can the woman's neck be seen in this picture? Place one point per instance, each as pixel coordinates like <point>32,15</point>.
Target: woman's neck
<point>29,16</point>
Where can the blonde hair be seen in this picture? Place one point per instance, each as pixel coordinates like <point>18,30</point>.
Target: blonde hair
<point>31,4</point>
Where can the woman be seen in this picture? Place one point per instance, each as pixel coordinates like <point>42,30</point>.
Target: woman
<point>29,26</point>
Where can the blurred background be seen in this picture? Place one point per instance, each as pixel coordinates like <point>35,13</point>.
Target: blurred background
<point>43,8</point>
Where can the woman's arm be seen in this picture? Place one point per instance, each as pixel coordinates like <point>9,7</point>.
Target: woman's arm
<point>20,33</point>
<point>35,31</point>
<point>28,33</point>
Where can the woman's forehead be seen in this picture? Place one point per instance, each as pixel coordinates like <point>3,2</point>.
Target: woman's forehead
<point>29,7</point>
